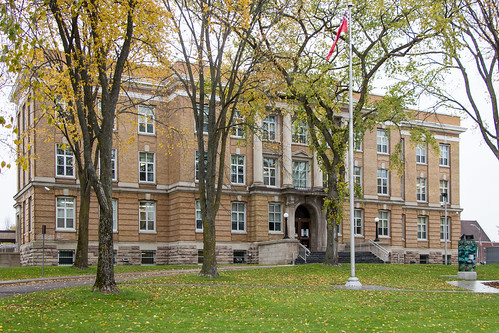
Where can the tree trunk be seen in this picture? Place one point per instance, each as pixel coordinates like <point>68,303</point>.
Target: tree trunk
<point>81,256</point>
<point>331,258</point>
<point>209,268</point>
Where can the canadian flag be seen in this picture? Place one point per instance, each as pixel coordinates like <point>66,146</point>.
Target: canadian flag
<point>343,28</point>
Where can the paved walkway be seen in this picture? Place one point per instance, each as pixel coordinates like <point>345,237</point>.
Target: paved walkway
<point>16,287</point>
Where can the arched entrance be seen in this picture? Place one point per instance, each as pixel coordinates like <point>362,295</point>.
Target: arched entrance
<point>302,226</point>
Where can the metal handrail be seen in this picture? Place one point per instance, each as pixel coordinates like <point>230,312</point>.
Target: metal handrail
<point>306,252</point>
<point>375,249</point>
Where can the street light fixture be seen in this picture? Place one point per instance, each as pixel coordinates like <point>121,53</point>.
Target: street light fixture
<point>286,215</point>
<point>376,220</point>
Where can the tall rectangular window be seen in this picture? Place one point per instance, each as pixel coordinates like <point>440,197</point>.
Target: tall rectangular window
<point>237,125</point>
<point>421,189</point>
<point>384,223</point>
<point>115,215</point>
<point>445,229</point>
<point>382,141</point>
<point>383,181</point>
<point>146,119</point>
<point>421,153</point>
<point>275,217</point>
<point>238,217</point>
<point>270,128</point>
<point>422,228</point>
<point>444,191</point>
<point>147,216</point>
<point>357,176</point>
<point>205,116</point>
<point>146,167</point>
<point>199,218</point>
<point>269,171</point>
<point>196,167</point>
<point>64,161</point>
<point>300,174</point>
<point>358,219</point>
<point>357,143</point>
<point>65,213</point>
<point>300,131</point>
<point>237,169</point>
<point>113,164</point>
<point>444,155</point>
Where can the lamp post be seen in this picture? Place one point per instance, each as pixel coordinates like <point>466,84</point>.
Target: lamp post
<point>286,226</point>
<point>376,220</point>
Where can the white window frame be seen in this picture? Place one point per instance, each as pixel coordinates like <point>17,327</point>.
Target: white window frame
<point>357,143</point>
<point>299,132</point>
<point>357,175</point>
<point>237,130</point>
<point>444,188</point>
<point>145,165</point>
<point>421,153</point>
<point>270,128</point>
<point>238,217</point>
<point>382,141</point>
<point>198,216</point>
<point>115,215</point>
<point>421,189</point>
<point>300,174</point>
<point>65,212</point>
<point>442,227</point>
<point>384,223</point>
<point>383,177</point>
<point>422,228</point>
<point>67,164</point>
<point>147,215</point>
<point>270,171</point>
<point>275,218</point>
<point>114,164</point>
<point>237,169</point>
<point>358,222</point>
<point>444,159</point>
<point>146,120</point>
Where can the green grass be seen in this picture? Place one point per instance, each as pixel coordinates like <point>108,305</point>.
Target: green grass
<point>19,273</point>
<point>282,299</point>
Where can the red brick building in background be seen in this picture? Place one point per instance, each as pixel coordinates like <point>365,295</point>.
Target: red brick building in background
<point>155,191</point>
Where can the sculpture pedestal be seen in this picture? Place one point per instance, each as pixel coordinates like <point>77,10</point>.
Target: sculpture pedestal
<point>466,275</point>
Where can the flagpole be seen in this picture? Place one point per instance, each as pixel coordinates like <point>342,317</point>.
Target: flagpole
<point>353,282</point>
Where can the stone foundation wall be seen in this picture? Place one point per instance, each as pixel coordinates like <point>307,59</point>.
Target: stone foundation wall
<point>225,254</point>
<point>128,255</point>
<point>31,254</point>
<point>411,257</point>
<point>177,255</point>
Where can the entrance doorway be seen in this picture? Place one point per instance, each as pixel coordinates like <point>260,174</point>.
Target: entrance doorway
<point>302,226</point>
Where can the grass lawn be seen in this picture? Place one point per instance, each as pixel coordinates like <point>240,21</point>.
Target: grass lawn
<point>282,299</point>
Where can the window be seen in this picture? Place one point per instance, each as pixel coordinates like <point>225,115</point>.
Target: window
<point>205,117</point>
<point>146,119</point>
<point>147,216</point>
<point>199,219</point>
<point>421,153</point>
<point>148,257</point>
<point>384,223</point>
<point>113,164</point>
<point>300,170</point>
<point>269,171</point>
<point>358,222</point>
<point>357,143</point>
<point>444,229</point>
<point>237,169</point>
<point>422,228</point>
<point>382,141</point>
<point>238,217</point>
<point>299,131</point>
<point>357,176</point>
<point>197,164</point>
<point>146,167</point>
<point>444,155</point>
<point>115,215</point>
<point>383,181</point>
<point>65,215</point>
<point>270,128</point>
<point>239,256</point>
<point>237,125</point>
<point>64,161</point>
<point>421,189</point>
<point>275,217</point>
<point>444,191</point>
<point>66,257</point>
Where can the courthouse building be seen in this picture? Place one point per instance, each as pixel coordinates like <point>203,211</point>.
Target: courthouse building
<point>155,190</point>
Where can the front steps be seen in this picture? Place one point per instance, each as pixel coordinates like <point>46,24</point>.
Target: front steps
<point>361,257</point>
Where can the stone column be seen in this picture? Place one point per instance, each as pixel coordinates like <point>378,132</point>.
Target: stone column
<point>318,177</point>
<point>287,161</point>
<point>257,157</point>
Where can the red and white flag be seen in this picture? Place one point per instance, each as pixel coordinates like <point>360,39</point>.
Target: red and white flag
<point>343,28</point>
